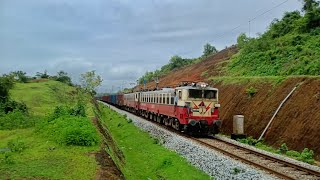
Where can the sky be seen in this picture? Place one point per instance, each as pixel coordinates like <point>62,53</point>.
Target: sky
<point>122,39</point>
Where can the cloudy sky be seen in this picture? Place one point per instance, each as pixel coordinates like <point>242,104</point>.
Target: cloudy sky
<point>122,39</point>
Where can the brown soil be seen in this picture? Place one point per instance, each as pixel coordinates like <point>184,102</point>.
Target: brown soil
<point>196,72</point>
<point>108,169</point>
<point>298,122</point>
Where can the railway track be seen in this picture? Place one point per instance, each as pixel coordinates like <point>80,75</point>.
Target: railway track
<point>280,168</point>
<point>275,166</point>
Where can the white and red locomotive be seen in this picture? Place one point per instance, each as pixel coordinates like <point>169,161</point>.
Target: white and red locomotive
<point>191,108</point>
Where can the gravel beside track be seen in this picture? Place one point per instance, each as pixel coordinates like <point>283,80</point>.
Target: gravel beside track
<point>213,163</point>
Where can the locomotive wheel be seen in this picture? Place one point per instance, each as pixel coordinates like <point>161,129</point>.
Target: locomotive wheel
<point>159,119</point>
<point>169,122</point>
<point>166,121</point>
<point>176,124</point>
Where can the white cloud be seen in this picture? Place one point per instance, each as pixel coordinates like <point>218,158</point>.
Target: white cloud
<point>121,40</point>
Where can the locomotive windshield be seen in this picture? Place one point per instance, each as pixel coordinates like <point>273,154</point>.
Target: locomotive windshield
<point>198,94</point>
<point>195,93</point>
<point>210,94</point>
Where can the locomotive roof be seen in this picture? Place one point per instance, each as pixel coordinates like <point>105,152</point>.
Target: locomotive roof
<point>170,90</point>
<point>163,90</point>
<point>194,87</point>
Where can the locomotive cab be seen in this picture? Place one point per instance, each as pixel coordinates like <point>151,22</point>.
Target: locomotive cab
<point>202,107</point>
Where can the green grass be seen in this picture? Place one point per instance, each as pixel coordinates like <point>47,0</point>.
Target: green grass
<point>43,157</point>
<point>144,157</point>
<point>42,97</point>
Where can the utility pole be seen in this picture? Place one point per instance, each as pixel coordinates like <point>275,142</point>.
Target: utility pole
<point>156,80</point>
<point>249,27</point>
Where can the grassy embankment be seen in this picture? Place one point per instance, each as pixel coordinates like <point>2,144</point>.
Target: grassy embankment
<point>38,151</point>
<point>140,156</point>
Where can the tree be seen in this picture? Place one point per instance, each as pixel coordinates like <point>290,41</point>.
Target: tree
<point>208,50</point>
<point>63,77</point>
<point>309,5</point>
<point>242,40</point>
<point>176,62</point>
<point>6,83</point>
<point>43,75</point>
<point>20,76</point>
<point>312,10</point>
<point>90,81</point>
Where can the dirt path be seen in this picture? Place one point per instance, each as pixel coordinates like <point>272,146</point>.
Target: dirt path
<point>108,169</point>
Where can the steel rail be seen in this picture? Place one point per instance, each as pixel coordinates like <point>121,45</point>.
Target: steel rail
<point>288,164</point>
<point>238,157</point>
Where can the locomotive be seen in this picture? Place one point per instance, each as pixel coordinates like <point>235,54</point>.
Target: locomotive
<point>191,108</point>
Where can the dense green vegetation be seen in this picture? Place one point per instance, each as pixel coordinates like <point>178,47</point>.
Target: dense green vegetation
<point>145,158</point>
<point>69,126</point>
<point>291,46</point>
<point>50,137</point>
<point>306,155</point>
<point>13,114</point>
<point>177,62</point>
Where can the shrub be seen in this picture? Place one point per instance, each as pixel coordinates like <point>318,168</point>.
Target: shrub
<point>70,130</point>
<point>283,148</point>
<point>78,110</point>
<point>59,111</point>
<point>129,120</point>
<point>251,91</point>
<point>8,158</point>
<point>17,145</point>
<point>249,140</point>
<point>156,141</point>
<point>236,171</point>
<point>307,156</point>
<point>292,153</point>
<point>11,105</point>
<point>15,120</point>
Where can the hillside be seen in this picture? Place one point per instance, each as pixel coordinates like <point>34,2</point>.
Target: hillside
<point>43,96</point>
<point>267,66</point>
<point>211,66</point>
<point>39,151</point>
<point>296,122</point>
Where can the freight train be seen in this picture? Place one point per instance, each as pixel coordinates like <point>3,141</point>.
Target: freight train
<point>191,108</point>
